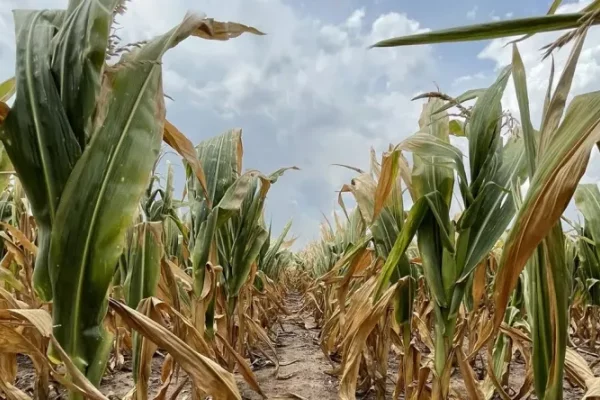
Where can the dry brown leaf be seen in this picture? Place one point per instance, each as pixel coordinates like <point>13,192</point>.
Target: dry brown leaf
<point>468,376</point>
<point>77,381</point>
<point>182,145</point>
<point>4,110</point>
<point>580,372</point>
<point>166,375</point>
<point>593,390</point>
<point>216,30</point>
<point>207,375</point>
<point>20,237</point>
<point>148,307</point>
<point>6,381</point>
<point>42,321</point>
<point>387,180</point>
<point>244,368</point>
<point>560,169</point>
<point>258,331</point>
<point>7,89</point>
<point>355,346</point>
<point>17,253</point>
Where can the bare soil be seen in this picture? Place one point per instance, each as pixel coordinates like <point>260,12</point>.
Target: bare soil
<point>303,373</point>
<point>303,365</point>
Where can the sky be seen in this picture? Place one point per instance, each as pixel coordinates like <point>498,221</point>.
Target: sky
<point>310,93</point>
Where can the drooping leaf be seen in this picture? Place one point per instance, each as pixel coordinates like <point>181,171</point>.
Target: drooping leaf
<point>182,145</point>
<point>206,374</point>
<point>102,195</point>
<point>555,180</point>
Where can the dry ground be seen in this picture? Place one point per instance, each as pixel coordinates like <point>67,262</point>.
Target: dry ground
<point>302,375</point>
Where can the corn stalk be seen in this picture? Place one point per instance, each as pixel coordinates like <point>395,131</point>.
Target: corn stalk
<point>83,139</point>
<point>451,251</point>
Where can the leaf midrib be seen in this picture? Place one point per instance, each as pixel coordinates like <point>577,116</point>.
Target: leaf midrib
<point>36,120</point>
<point>111,165</point>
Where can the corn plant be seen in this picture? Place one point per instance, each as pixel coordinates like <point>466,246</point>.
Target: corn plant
<point>145,250</point>
<point>587,199</point>
<point>227,226</point>
<point>556,161</point>
<point>83,138</point>
<point>451,251</point>
<point>274,257</point>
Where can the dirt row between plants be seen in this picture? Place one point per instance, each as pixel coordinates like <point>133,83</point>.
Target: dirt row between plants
<point>303,372</point>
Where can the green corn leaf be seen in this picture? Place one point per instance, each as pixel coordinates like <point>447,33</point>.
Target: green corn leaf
<point>231,202</point>
<point>78,60</point>
<point>221,159</point>
<point>5,168</point>
<point>587,200</point>
<point>433,140</point>
<point>143,275</point>
<point>559,170</point>
<point>549,329</point>
<point>496,210</point>
<point>36,133</point>
<point>273,249</point>
<point>414,222</point>
<point>456,129</point>
<point>385,230</point>
<point>492,30</point>
<point>551,11</point>
<point>273,177</point>
<point>244,255</point>
<point>7,89</point>
<point>434,160</point>
<point>201,249</point>
<point>466,96</point>
<point>483,130</point>
<point>548,96</point>
<point>101,198</point>
<point>249,233</point>
<point>520,81</point>
<point>556,106</point>
<point>432,151</point>
<point>494,168</point>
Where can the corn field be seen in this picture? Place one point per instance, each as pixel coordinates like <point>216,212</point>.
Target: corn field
<point>107,274</point>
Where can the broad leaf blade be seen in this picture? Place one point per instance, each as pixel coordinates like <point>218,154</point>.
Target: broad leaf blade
<point>551,189</point>
<point>101,198</point>
<point>492,30</point>
<point>78,61</point>
<point>38,137</point>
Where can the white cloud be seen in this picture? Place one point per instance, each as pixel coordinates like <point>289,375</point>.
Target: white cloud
<point>472,13</point>
<point>468,79</point>
<point>355,20</point>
